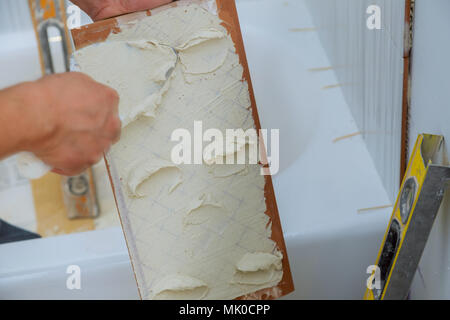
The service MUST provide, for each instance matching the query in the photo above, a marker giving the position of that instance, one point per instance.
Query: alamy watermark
(374, 20)
(374, 280)
(73, 281)
(231, 146)
(73, 16)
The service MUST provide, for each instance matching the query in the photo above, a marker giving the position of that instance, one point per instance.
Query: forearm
(22, 118)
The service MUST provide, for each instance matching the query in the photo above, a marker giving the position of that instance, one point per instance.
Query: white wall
(369, 65)
(14, 16)
(430, 113)
(19, 57)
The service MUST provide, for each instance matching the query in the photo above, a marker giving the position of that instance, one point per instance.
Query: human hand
(78, 121)
(102, 9)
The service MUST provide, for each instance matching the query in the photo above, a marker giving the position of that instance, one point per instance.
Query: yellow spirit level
(415, 210)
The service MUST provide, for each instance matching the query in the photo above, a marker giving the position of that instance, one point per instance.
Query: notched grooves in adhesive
(259, 268)
(143, 170)
(180, 287)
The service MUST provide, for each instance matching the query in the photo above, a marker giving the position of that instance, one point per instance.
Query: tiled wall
(369, 65)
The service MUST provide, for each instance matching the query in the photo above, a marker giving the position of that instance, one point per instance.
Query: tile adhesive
(200, 230)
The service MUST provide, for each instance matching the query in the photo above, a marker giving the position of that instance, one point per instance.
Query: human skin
(67, 120)
(101, 9)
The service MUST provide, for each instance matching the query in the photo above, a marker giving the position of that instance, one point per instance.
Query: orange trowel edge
(226, 9)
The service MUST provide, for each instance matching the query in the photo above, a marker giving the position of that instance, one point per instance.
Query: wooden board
(409, 23)
(226, 9)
